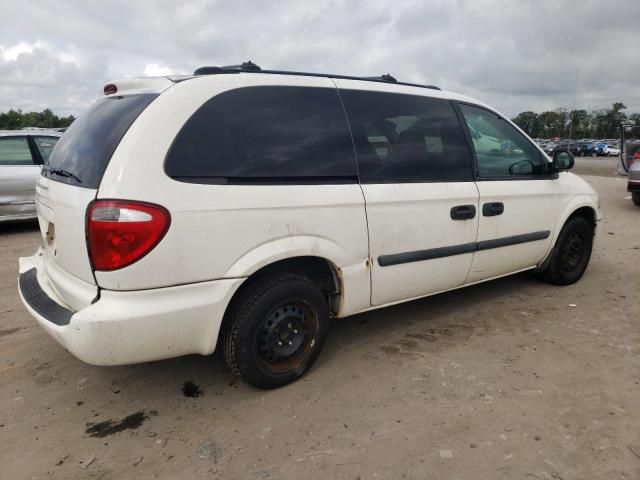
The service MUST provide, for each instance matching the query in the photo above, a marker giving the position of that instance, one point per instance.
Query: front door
(421, 201)
(518, 196)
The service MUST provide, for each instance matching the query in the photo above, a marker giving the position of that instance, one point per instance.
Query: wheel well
(320, 271)
(587, 213)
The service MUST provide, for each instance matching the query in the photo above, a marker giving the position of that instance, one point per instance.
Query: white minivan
(246, 208)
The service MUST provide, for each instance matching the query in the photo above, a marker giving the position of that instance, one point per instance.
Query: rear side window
(265, 134)
(15, 151)
(45, 146)
(406, 138)
(83, 152)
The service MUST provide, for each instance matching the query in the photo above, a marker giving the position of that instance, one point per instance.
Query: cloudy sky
(514, 54)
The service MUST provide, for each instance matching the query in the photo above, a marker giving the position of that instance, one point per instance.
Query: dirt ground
(511, 379)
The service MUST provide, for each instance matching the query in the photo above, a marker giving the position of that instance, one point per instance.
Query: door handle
(492, 209)
(463, 212)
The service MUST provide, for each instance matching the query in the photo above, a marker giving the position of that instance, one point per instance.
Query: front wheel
(275, 330)
(635, 198)
(571, 253)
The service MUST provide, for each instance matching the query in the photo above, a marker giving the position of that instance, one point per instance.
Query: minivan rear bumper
(124, 327)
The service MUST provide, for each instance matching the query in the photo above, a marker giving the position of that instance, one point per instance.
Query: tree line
(576, 124)
(16, 120)
(561, 123)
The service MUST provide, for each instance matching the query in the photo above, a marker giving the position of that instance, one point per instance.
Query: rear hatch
(69, 183)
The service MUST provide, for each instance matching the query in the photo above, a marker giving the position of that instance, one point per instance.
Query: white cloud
(10, 54)
(155, 70)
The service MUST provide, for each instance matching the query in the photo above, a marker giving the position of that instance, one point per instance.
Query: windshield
(83, 152)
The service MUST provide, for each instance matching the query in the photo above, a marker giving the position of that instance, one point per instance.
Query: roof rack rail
(382, 78)
(243, 67)
(250, 67)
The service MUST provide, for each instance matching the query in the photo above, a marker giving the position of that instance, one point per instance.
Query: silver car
(22, 154)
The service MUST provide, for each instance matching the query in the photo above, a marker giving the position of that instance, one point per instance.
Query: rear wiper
(63, 173)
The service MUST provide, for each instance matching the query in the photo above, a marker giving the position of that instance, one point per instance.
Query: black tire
(635, 198)
(571, 253)
(275, 330)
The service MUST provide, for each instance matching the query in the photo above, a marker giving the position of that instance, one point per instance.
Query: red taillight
(636, 157)
(110, 89)
(120, 232)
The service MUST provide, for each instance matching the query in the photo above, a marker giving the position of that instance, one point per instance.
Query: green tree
(528, 121)
(16, 119)
(579, 123)
(634, 118)
(553, 123)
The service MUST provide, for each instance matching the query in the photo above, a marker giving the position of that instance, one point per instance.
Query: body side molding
(440, 252)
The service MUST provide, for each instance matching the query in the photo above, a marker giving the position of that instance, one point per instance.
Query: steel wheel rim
(573, 252)
(286, 337)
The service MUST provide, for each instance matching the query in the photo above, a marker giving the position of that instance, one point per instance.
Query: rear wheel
(276, 330)
(571, 253)
(635, 198)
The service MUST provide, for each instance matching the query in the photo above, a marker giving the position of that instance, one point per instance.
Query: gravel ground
(601, 166)
(511, 379)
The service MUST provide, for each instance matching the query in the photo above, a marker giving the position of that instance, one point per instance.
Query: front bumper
(123, 327)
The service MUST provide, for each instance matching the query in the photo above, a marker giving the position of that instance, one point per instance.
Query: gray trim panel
(441, 252)
(513, 240)
(430, 254)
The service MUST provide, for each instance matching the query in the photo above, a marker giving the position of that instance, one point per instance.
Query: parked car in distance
(587, 149)
(572, 147)
(600, 148)
(611, 151)
(22, 153)
(228, 208)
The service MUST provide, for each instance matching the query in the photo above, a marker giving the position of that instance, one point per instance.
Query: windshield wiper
(63, 173)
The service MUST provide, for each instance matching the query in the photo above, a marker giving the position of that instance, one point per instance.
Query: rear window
(265, 134)
(83, 152)
(15, 151)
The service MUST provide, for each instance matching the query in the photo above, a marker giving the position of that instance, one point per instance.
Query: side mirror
(562, 160)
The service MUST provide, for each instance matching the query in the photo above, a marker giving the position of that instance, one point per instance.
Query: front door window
(501, 150)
